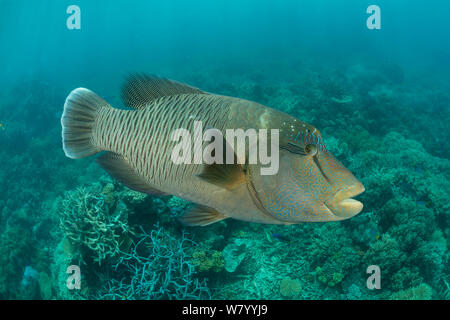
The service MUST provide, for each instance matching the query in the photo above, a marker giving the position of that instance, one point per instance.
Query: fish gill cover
(379, 96)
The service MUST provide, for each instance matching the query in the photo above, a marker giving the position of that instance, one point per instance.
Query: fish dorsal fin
(140, 89)
(200, 215)
(119, 168)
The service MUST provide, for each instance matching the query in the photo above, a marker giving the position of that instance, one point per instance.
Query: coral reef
(421, 292)
(290, 288)
(208, 260)
(233, 254)
(157, 267)
(93, 223)
(379, 120)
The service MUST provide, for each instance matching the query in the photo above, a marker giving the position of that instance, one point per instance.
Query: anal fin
(200, 215)
(119, 168)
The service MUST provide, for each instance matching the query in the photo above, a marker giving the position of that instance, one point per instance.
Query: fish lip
(348, 193)
(342, 203)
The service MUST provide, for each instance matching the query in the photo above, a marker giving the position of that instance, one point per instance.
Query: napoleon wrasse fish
(310, 186)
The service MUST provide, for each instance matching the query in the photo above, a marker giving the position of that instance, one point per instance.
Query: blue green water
(380, 97)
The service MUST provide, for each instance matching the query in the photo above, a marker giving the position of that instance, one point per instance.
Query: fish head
(310, 185)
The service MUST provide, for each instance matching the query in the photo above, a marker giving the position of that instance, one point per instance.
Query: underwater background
(381, 99)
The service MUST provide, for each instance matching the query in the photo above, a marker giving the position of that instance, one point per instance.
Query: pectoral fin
(201, 216)
(228, 176)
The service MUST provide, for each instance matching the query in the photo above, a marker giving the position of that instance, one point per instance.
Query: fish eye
(311, 150)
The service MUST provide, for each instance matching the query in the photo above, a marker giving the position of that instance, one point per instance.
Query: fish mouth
(342, 204)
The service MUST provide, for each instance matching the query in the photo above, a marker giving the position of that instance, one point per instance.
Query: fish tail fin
(78, 120)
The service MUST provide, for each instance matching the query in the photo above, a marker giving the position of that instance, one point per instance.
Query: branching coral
(158, 266)
(91, 224)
